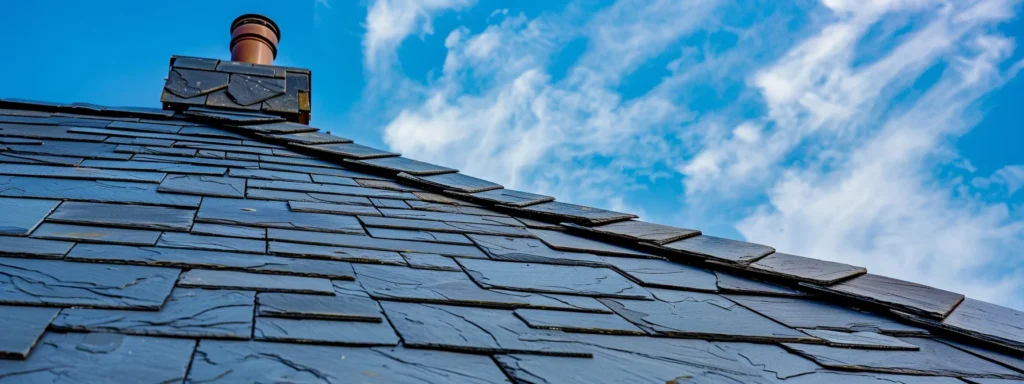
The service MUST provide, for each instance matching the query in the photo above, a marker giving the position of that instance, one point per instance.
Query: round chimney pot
(254, 39)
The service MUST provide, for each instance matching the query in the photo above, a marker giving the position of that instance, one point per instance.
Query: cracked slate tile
(91, 190)
(507, 197)
(450, 217)
(808, 313)
(567, 242)
(742, 285)
(442, 226)
(34, 248)
(869, 378)
(403, 164)
(187, 258)
(61, 283)
(265, 174)
(187, 313)
(806, 269)
(254, 361)
(862, 340)
(572, 280)
(431, 261)
(531, 251)
(98, 357)
(213, 279)
(221, 186)
(639, 231)
(213, 243)
(335, 253)
(341, 209)
(665, 274)
(933, 358)
(291, 186)
(366, 242)
(576, 213)
(577, 322)
(139, 141)
(479, 330)
(92, 234)
(402, 234)
(155, 166)
(123, 148)
(249, 90)
(531, 223)
(124, 215)
(273, 214)
(350, 303)
(221, 100)
(22, 328)
(389, 203)
(774, 362)
(324, 331)
(453, 181)
(383, 184)
(701, 315)
(21, 216)
(229, 231)
(58, 172)
(266, 194)
(188, 83)
(721, 249)
(901, 295)
(980, 320)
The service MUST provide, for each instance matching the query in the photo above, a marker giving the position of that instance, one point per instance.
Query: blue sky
(885, 134)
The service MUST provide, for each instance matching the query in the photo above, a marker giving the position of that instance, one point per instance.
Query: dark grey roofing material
(174, 230)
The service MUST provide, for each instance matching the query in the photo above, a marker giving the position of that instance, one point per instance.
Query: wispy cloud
(388, 22)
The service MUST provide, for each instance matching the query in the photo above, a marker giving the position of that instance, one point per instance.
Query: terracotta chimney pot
(254, 39)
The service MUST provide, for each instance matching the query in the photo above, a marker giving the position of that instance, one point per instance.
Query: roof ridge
(931, 307)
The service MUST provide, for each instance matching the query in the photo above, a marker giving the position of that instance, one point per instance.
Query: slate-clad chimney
(246, 84)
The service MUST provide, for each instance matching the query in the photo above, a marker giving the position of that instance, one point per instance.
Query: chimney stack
(254, 39)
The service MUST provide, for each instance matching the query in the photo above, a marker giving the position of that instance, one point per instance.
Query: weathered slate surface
(731, 283)
(981, 320)
(273, 214)
(578, 322)
(572, 280)
(35, 248)
(202, 278)
(213, 243)
(507, 197)
(335, 253)
(453, 181)
(665, 274)
(59, 283)
(639, 231)
(577, 213)
(902, 295)
(863, 340)
(367, 242)
(21, 216)
(229, 231)
(22, 328)
(222, 186)
(721, 249)
(443, 226)
(568, 242)
(95, 234)
(92, 190)
(347, 304)
(532, 251)
(124, 215)
(806, 269)
(814, 314)
(324, 331)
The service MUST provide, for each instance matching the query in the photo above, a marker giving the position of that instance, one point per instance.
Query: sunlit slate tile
(139, 141)
(101, 357)
(194, 63)
(701, 315)
(442, 226)
(72, 148)
(349, 150)
(90, 190)
(233, 117)
(385, 184)
(507, 197)
(324, 331)
(155, 166)
(221, 100)
(187, 313)
(21, 158)
(902, 295)
(1013, 360)
(265, 174)
(933, 358)
(639, 231)
(806, 269)
(22, 328)
(44, 132)
(577, 213)
(124, 148)
(441, 199)
(531, 223)
(403, 234)
(228, 148)
(568, 242)
(430, 286)
(531, 251)
(269, 194)
(188, 83)
(450, 217)
(80, 173)
(311, 138)
(980, 320)
(807, 313)
(578, 322)
(389, 203)
(571, 280)
(861, 340)
(221, 186)
(737, 284)
(204, 278)
(190, 258)
(197, 161)
(454, 181)
(721, 249)
(272, 214)
(207, 131)
(343, 177)
(124, 215)
(61, 283)
(340, 209)
(463, 209)
(250, 362)
(170, 127)
(246, 68)
(95, 234)
(150, 135)
(431, 261)
(34, 248)
(349, 303)
(301, 161)
(212, 243)
(665, 274)
(366, 242)
(327, 188)
(21, 216)
(770, 360)
(335, 253)
(229, 230)
(403, 164)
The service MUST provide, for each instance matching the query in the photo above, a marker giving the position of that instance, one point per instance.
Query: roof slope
(152, 246)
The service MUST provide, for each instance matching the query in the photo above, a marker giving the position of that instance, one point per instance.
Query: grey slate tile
(402, 234)
(366, 242)
(454, 182)
(93, 234)
(431, 261)
(721, 249)
(291, 160)
(473, 329)
(170, 127)
(862, 340)
(389, 203)
(204, 278)
(775, 362)
(741, 285)
(507, 197)
(869, 378)
(273, 214)
(98, 357)
(449, 217)
(80, 173)
(73, 149)
(531, 223)
(139, 141)
(441, 199)
(247, 362)
(665, 274)
(345, 305)
(148, 135)
(124, 148)
(572, 280)
(229, 231)
(187, 313)
(933, 358)
(196, 160)
(807, 313)
(21, 216)
(34, 248)
(980, 320)
(335, 253)
(221, 186)
(194, 63)
(568, 242)
(90, 190)
(443, 226)
(213, 243)
(155, 166)
(311, 138)
(267, 194)
(43, 132)
(190, 83)
(266, 174)
(902, 295)
(338, 209)
(229, 148)
(327, 188)
(1007, 359)
(531, 251)
(279, 127)
(22, 328)
(402, 164)
(806, 269)
(19, 158)
(187, 258)
(464, 209)
(124, 215)
(701, 315)
(576, 213)
(379, 184)
(639, 231)
(344, 177)
(577, 322)
(349, 150)
(60, 283)
(248, 89)
(208, 131)
(324, 331)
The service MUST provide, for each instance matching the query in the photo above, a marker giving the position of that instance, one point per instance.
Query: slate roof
(202, 245)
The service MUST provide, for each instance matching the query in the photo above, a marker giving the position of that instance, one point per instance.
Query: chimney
(254, 39)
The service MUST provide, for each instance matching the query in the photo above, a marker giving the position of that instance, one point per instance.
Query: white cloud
(1011, 177)
(388, 22)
